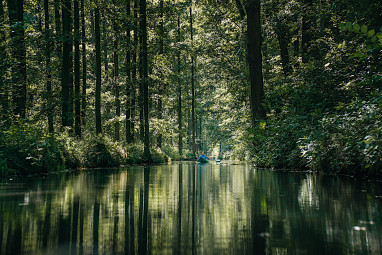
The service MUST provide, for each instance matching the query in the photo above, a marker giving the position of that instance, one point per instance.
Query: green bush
(27, 151)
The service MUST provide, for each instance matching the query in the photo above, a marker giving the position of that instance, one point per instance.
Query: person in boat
(202, 157)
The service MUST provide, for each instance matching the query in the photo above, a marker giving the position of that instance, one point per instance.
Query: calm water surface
(188, 208)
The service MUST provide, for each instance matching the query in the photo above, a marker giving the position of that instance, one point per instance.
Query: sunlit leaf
(356, 27)
(364, 29)
(371, 33)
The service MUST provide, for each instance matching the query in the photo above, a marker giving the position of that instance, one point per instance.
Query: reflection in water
(190, 208)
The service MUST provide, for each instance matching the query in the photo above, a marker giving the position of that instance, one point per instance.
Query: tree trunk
(141, 90)
(48, 47)
(57, 20)
(105, 39)
(180, 143)
(255, 60)
(282, 37)
(134, 71)
(84, 76)
(128, 76)
(160, 101)
(98, 71)
(67, 66)
(117, 101)
(192, 88)
(19, 69)
(77, 96)
(143, 27)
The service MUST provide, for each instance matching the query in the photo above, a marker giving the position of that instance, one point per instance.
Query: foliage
(326, 117)
(27, 151)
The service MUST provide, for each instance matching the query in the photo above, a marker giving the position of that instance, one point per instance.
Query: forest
(103, 83)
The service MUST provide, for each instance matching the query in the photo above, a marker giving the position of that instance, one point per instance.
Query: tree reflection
(189, 209)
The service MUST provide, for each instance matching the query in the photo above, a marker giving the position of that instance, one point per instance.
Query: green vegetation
(103, 83)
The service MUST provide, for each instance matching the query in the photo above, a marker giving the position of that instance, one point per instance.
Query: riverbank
(27, 150)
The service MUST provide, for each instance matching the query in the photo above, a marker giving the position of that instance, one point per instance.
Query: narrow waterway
(190, 208)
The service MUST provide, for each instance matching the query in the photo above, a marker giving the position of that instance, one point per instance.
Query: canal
(190, 208)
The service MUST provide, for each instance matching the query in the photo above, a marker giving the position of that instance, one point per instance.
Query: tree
(192, 88)
(255, 60)
(19, 68)
(98, 71)
(143, 27)
(67, 65)
(129, 86)
(84, 75)
(134, 70)
(48, 47)
(180, 140)
(77, 96)
(161, 46)
(282, 36)
(117, 101)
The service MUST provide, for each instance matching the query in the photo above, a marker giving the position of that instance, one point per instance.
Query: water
(188, 208)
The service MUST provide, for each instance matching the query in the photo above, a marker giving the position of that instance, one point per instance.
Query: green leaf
(374, 39)
(348, 26)
(356, 27)
(364, 29)
(371, 33)
(342, 27)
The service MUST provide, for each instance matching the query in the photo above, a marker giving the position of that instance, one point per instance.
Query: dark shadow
(115, 227)
(143, 245)
(13, 246)
(95, 226)
(76, 208)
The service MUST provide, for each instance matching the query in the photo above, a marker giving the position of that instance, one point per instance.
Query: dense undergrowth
(26, 149)
(327, 115)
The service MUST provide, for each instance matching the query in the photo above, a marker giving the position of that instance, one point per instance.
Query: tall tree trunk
(98, 71)
(58, 35)
(117, 101)
(192, 87)
(48, 73)
(57, 19)
(134, 71)
(84, 76)
(255, 60)
(39, 16)
(77, 96)
(3, 67)
(67, 66)
(282, 37)
(143, 27)
(161, 45)
(141, 91)
(129, 86)
(105, 40)
(19, 69)
(180, 141)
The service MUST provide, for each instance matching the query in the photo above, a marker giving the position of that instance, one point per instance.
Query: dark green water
(190, 209)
